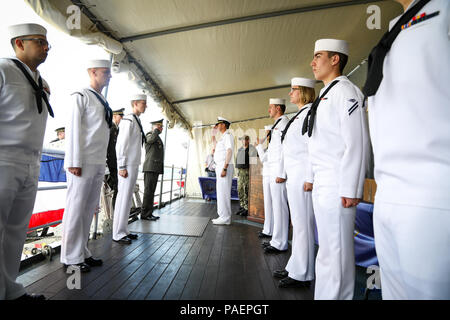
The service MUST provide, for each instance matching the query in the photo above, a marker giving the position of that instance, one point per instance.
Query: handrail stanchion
(161, 190)
(171, 185)
(96, 225)
(181, 182)
(185, 183)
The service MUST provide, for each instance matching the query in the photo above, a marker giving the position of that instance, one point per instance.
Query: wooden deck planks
(226, 263)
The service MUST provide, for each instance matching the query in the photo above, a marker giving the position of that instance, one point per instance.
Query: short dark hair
(343, 58)
(13, 43)
(227, 125)
(282, 107)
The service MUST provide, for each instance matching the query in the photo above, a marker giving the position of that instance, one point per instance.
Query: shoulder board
(77, 93)
(127, 119)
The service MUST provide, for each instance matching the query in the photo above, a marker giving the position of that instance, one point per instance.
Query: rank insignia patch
(353, 107)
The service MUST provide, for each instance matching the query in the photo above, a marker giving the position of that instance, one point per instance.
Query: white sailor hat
(303, 82)
(26, 29)
(335, 45)
(139, 96)
(267, 128)
(222, 120)
(98, 64)
(277, 101)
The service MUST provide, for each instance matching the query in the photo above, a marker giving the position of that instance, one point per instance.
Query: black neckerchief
(38, 89)
(284, 132)
(108, 111)
(308, 124)
(144, 139)
(378, 53)
(269, 135)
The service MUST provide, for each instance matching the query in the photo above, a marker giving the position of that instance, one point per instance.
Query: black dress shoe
(124, 240)
(244, 213)
(263, 235)
(91, 262)
(151, 218)
(132, 236)
(154, 217)
(270, 249)
(265, 244)
(281, 274)
(31, 297)
(83, 267)
(292, 283)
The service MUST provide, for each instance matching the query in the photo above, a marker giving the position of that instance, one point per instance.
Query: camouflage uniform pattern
(243, 183)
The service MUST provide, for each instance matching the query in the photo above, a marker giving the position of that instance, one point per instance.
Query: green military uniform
(153, 167)
(111, 158)
(243, 182)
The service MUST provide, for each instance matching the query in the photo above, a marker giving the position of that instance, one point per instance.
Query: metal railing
(161, 180)
(181, 180)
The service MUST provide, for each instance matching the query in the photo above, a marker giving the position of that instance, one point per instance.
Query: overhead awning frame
(246, 18)
(155, 91)
(202, 58)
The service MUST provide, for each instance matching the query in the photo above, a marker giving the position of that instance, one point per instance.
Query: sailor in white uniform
(338, 149)
(299, 270)
(409, 119)
(87, 136)
(224, 172)
(128, 150)
(279, 241)
(268, 212)
(23, 119)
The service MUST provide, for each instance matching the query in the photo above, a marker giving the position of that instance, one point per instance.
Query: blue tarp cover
(52, 169)
(208, 186)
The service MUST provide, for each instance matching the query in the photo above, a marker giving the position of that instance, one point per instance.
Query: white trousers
(82, 201)
(268, 213)
(223, 192)
(335, 262)
(18, 187)
(280, 215)
(123, 203)
(301, 263)
(413, 250)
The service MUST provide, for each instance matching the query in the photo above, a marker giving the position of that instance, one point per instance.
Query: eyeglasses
(42, 42)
